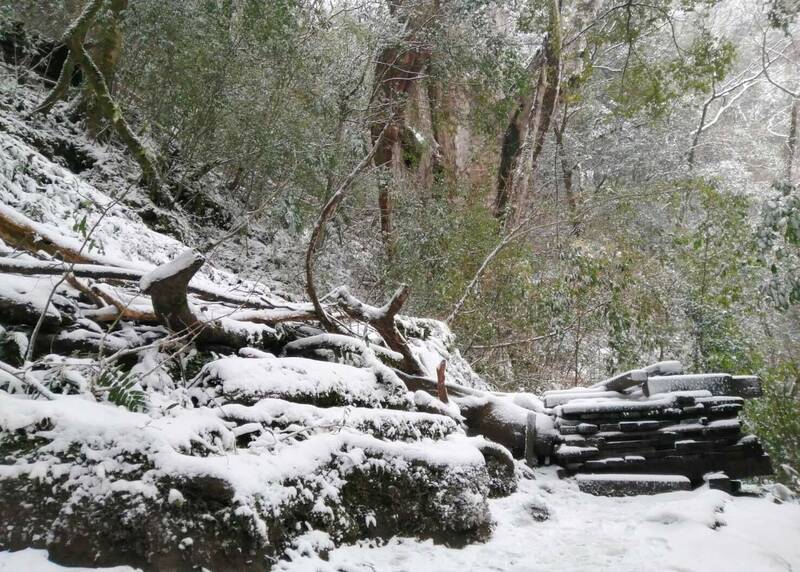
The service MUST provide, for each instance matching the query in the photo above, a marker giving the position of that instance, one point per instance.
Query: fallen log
(716, 383)
(105, 272)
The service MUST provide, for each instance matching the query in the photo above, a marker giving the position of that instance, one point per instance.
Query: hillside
(564, 338)
(233, 459)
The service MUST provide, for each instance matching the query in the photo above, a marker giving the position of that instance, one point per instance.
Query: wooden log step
(609, 463)
(661, 414)
(719, 400)
(627, 485)
(554, 399)
(632, 445)
(736, 466)
(579, 429)
(746, 386)
(653, 449)
(571, 453)
(717, 429)
(724, 411)
(617, 462)
(638, 426)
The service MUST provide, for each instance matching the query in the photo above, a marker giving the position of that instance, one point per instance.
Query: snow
(256, 378)
(32, 291)
(678, 531)
(183, 261)
(167, 441)
(600, 405)
(62, 207)
(388, 423)
(32, 560)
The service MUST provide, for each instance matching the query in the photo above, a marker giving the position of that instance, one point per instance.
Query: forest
(559, 190)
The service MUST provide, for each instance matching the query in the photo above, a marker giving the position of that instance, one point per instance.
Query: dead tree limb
(86, 290)
(327, 213)
(383, 320)
(126, 311)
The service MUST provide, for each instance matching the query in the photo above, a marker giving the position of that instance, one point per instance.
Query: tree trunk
(397, 69)
(791, 144)
(524, 136)
(105, 53)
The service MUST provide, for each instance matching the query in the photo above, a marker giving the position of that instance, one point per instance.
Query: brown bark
(398, 68)
(528, 126)
(441, 388)
(383, 320)
(171, 305)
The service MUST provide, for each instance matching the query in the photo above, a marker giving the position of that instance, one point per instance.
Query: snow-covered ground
(701, 530)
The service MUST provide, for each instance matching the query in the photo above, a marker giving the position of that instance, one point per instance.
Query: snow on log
(746, 386)
(147, 477)
(23, 300)
(393, 424)
(553, 399)
(33, 267)
(248, 380)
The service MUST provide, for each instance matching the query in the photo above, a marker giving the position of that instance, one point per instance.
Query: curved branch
(327, 212)
(383, 320)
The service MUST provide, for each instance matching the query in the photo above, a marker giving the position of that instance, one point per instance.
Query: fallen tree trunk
(495, 417)
(105, 272)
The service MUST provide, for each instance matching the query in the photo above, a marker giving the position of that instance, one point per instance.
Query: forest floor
(549, 525)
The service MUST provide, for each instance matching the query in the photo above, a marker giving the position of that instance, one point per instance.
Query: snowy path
(585, 533)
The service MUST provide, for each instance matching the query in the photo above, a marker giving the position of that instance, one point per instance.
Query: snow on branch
(383, 320)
